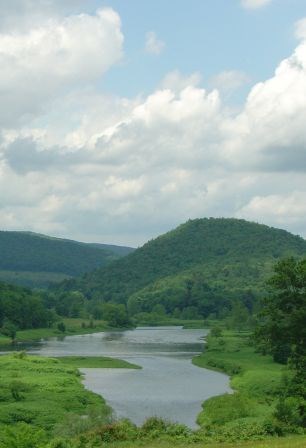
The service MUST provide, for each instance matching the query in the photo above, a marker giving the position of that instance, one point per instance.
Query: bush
(22, 436)
(122, 430)
(216, 332)
(220, 410)
(288, 411)
(154, 424)
(61, 327)
(16, 388)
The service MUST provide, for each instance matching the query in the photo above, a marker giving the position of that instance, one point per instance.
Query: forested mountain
(200, 268)
(36, 260)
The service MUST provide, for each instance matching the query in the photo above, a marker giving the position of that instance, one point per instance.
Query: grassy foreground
(286, 442)
(41, 391)
(43, 404)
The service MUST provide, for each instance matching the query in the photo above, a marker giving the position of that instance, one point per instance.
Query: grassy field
(41, 391)
(43, 398)
(73, 327)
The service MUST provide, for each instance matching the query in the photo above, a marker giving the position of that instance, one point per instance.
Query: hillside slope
(199, 264)
(35, 260)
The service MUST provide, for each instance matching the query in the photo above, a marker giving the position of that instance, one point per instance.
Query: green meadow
(44, 404)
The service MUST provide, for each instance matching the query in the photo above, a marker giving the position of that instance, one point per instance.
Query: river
(167, 386)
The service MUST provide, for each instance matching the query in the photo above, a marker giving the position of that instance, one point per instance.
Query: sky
(121, 119)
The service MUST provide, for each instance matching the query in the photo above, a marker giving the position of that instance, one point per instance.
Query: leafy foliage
(282, 332)
(196, 270)
(21, 308)
(28, 253)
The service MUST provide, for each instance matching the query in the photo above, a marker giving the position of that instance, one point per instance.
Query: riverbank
(256, 381)
(46, 397)
(77, 326)
(73, 326)
(43, 399)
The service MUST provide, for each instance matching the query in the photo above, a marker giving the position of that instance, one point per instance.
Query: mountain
(201, 267)
(36, 260)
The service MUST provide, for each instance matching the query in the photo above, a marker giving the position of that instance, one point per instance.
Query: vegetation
(257, 381)
(200, 269)
(43, 392)
(73, 326)
(21, 308)
(282, 332)
(96, 362)
(27, 315)
(35, 260)
(206, 270)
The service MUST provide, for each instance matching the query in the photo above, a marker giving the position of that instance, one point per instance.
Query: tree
(9, 329)
(61, 327)
(239, 316)
(115, 315)
(281, 330)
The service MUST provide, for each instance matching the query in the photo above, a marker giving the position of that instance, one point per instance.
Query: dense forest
(205, 267)
(36, 260)
(20, 308)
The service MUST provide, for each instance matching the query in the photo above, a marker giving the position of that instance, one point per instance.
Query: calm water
(168, 385)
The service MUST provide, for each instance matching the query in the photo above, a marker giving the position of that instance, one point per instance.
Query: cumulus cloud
(270, 132)
(300, 29)
(254, 4)
(285, 211)
(153, 44)
(230, 80)
(106, 168)
(176, 81)
(38, 63)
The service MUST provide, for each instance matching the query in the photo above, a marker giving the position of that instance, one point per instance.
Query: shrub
(288, 411)
(16, 388)
(61, 327)
(225, 408)
(153, 424)
(22, 435)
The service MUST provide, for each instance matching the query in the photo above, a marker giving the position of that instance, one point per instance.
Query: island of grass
(96, 362)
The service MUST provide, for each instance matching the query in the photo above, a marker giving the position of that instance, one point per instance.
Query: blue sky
(201, 36)
(121, 119)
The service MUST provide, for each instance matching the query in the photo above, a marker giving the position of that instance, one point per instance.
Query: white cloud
(300, 29)
(37, 64)
(176, 81)
(153, 44)
(254, 4)
(287, 210)
(105, 168)
(230, 80)
(270, 132)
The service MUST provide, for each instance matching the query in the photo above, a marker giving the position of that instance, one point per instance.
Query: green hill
(201, 267)
(35, 260)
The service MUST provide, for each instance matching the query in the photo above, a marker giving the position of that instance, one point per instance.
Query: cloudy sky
(120, 120)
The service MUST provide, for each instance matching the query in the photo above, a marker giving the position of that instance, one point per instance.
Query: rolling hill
(201, 267)
(36, 260)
